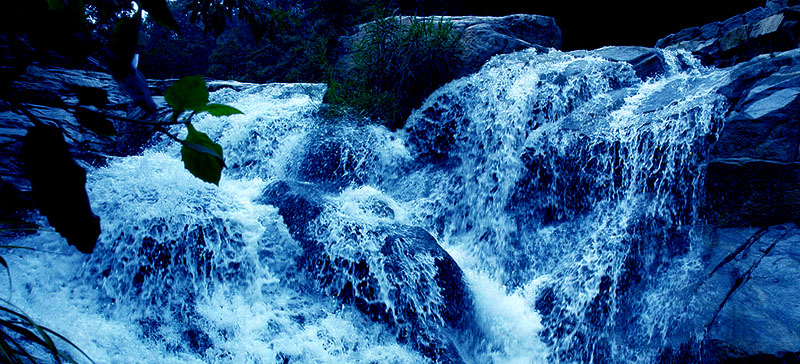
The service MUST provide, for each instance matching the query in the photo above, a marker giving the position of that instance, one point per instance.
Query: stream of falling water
(565, 187)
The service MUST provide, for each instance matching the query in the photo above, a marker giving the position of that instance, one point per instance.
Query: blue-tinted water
(566, 189)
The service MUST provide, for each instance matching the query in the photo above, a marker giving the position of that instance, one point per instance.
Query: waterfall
(568, 176)
(568, 191)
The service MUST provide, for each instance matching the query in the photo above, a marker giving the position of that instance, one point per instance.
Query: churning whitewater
(563, 189)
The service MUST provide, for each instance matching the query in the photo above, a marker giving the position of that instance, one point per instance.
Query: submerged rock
(393, 273)
(335, 158)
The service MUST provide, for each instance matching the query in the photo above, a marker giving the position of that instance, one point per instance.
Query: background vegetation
(397, 64)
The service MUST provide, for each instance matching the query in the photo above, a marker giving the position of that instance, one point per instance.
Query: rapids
(567, 190)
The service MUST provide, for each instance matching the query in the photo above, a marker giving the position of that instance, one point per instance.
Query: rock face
(754, 176)
(482, 37)
(773, 28)
(49, 95)
(747, 299)
(393, 273)
(750, 293)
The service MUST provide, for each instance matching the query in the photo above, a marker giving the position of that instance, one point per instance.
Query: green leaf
(189, 93)
(201, 156)
(95, 121)
(55, 5)
(221, 110)
(159, 10)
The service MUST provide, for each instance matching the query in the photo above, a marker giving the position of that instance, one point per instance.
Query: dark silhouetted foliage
(59, 186)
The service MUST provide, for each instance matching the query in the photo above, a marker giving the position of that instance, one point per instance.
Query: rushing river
(566, 189)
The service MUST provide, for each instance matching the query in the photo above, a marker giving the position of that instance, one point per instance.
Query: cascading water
(566, 189)
(568, 176)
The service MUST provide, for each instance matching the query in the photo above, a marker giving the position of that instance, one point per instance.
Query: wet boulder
(330, 160)
(394, 273)
(334, 157)
(646, 62)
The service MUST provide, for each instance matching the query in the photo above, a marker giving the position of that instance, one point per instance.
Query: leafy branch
(58, 183)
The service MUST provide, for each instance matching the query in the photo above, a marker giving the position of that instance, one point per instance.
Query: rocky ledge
(747, 297)
(51, 95)
(767, 29)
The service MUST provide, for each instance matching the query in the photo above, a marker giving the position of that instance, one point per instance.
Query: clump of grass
(396, 65)
(19, 333)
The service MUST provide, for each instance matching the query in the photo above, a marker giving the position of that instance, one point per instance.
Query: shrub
(396, 65)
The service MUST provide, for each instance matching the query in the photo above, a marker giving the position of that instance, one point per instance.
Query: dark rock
(481, 36)
(329, 160)
(746, 191)
(335, 156)
(754, 173)
(434, 130)
(646, 62)
(49, 94)
(742, 37)
(393, 273)
(197, 340)
(299, 204)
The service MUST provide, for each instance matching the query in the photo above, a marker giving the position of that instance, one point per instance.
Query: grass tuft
(396, 65)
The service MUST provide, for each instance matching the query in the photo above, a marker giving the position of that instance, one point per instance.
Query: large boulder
(773, 28)
(745, 299)
(481, 37)
(393, 273)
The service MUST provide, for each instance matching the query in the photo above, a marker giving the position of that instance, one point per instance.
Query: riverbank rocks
(158, 87)
(50, 95)
(746, 298)
(753, 178)
(394, 273)
(773, 28)
(481, 36)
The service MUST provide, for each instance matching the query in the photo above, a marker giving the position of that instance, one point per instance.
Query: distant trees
(265, 41)
(165, 54)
